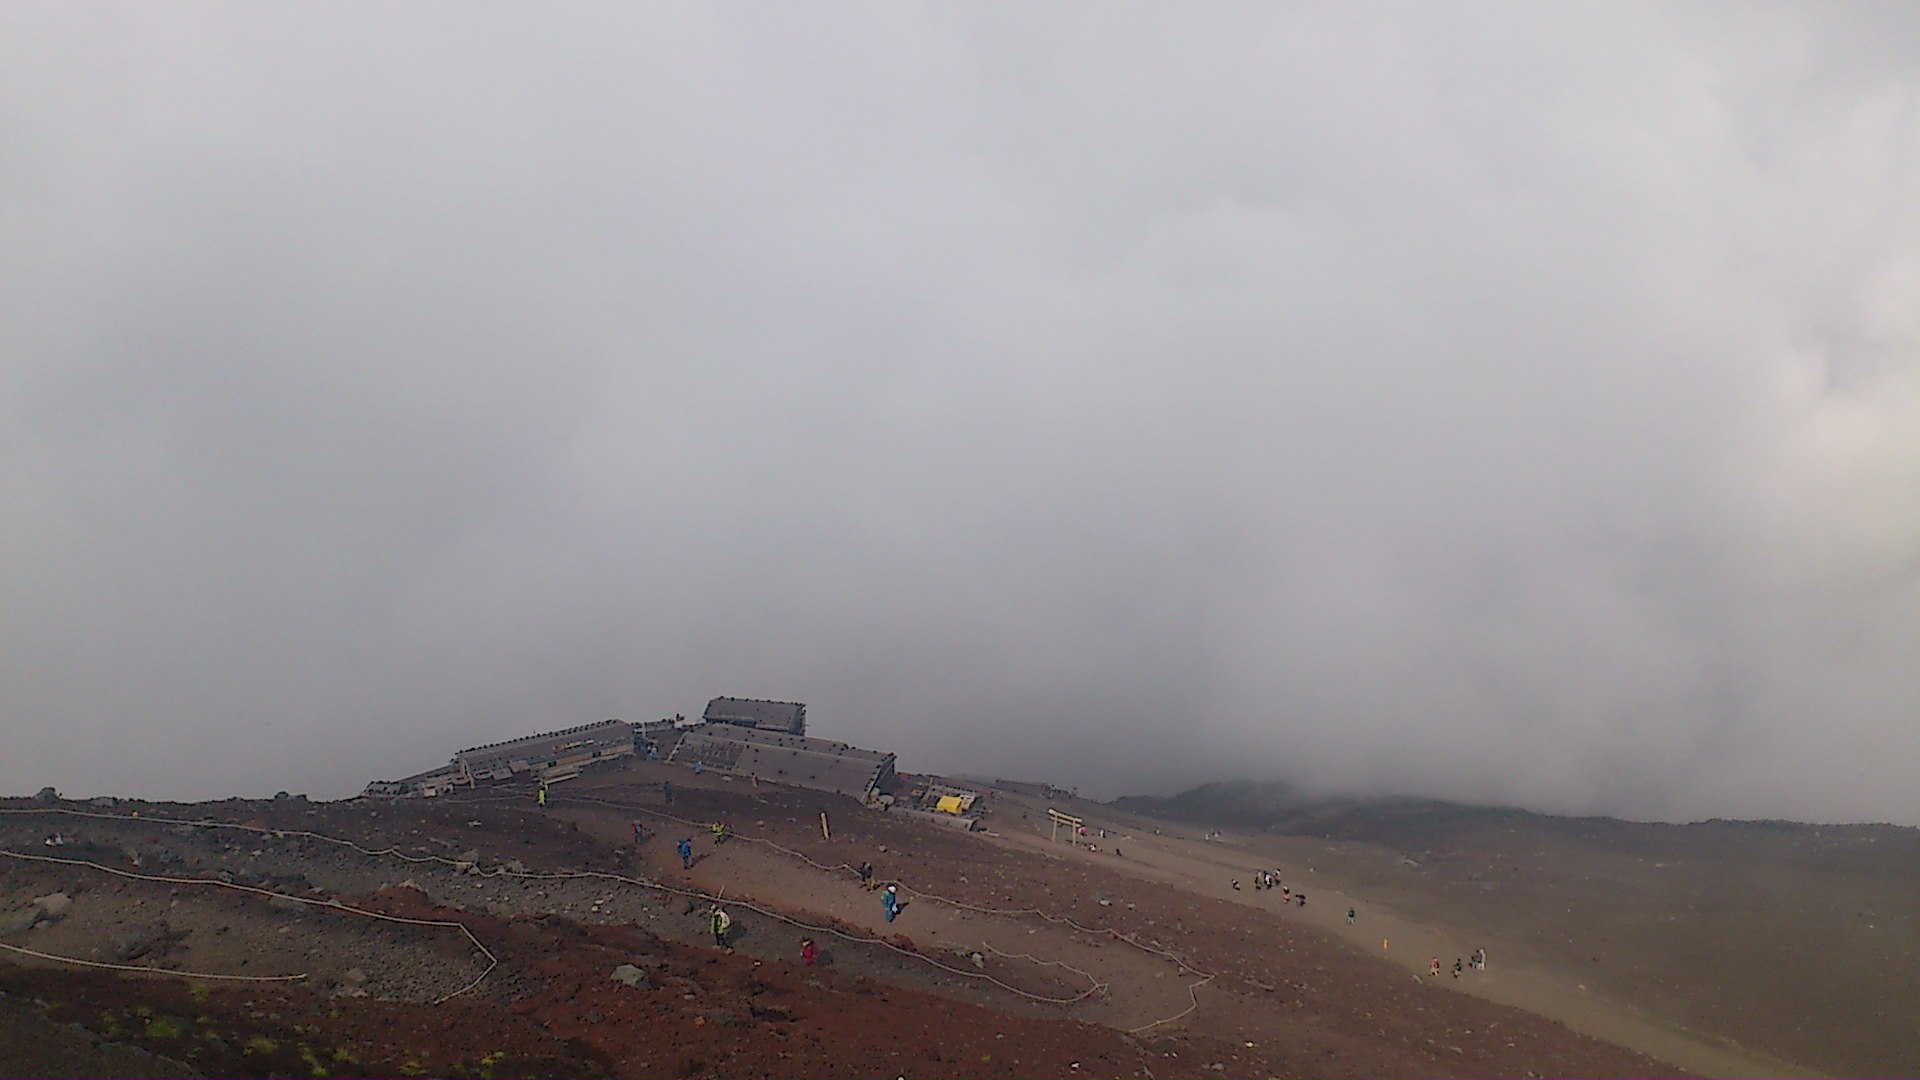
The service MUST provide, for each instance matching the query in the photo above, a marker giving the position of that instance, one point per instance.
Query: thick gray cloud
(1507, 403)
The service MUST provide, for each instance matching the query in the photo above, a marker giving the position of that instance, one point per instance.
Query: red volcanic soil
(697, 1013)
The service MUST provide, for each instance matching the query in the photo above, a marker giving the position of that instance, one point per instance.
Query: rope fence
(334, 905)
(1095, 985)
(149, 970)
(1059, 920)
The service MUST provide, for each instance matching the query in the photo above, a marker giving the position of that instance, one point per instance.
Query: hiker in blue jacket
(685, 848)
(890, 901)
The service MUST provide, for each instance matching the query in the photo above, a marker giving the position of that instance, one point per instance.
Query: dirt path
(1139, 987)
(1154, 932)
(1280, 1003)
(1183, 858)
(1143, 988)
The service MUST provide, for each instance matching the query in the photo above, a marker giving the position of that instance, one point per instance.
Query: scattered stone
(20, 921)
(354, 977)
(138, 942)
(633, 976)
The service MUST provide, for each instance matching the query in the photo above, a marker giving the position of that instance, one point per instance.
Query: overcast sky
(1508, 403)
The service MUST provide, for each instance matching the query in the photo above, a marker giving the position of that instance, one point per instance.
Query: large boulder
(632, 976)
(54, 904)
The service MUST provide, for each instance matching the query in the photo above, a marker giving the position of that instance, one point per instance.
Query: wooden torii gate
(1072, 823)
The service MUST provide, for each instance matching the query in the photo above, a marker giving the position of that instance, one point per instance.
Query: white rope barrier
(1183, 965)
(150, 970)
(1095, 985)
(334, 905)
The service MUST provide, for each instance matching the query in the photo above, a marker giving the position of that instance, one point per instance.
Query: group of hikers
(721, 923)
(720, 830)
(1475, 962)
(890, 904)
(718, 921)
(1270, 879)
